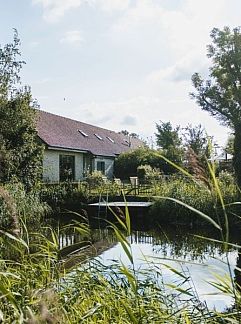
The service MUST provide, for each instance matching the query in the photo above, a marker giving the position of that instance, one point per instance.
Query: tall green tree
(195, 137)
(220, 95)
(20, 151)
(167, 136)
(169, 141)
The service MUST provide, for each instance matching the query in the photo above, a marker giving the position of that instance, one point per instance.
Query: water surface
(179, 248)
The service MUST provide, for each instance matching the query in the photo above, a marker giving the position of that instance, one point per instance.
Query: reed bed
(36, 286)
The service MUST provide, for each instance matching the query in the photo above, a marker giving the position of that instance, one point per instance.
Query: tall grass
(36, 286)
(16, 204)
(220, 220)
(209, 200)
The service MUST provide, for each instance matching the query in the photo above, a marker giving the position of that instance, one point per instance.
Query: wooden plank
(129, 204)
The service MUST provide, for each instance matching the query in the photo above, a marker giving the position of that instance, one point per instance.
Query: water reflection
(198, 259)
(161, 249)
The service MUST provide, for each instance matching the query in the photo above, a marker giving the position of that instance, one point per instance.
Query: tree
(220, 95)
(170, 142)
(127, 133)
(196, 138)
(10, 66)
(124, 132)
(167, 135)
(20, 151)
(127, 163)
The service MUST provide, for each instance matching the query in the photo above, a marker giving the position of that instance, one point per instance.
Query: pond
(170, 250)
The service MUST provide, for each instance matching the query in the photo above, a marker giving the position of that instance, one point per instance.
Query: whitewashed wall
(109, 165)
(51, 165)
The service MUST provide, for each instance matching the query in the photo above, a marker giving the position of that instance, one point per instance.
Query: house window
(101, 166)
(82, 133)
(66, 167)
(99, 137)
(110, 139)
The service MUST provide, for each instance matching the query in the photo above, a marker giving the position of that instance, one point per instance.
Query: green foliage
(10, 66)
(220, 95)
(17, 205)
(226, 178)
(127, 163)
(148, 174)
(142, 170)
(197, 195)
(167, 136)
(190, 193)
(65, 195)
(196, 138)
(36, 289)
(170, 142)
(228, 187)
(126, 133)
(95, 179)
(21, 153)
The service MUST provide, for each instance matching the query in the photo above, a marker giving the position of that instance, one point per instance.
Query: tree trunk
(237, 154)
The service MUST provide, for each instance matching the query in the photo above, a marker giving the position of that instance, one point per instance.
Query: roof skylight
(99, 137)
(126, 142)
(82, 133)
(110, 139)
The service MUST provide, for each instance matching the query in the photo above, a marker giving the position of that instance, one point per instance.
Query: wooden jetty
(122, 204)
(107, 209)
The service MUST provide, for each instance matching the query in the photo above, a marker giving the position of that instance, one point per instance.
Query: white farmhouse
(73, 148)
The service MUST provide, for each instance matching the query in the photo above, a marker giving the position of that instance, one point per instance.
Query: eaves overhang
(69, 149)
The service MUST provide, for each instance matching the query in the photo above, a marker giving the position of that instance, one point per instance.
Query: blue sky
(118, 64)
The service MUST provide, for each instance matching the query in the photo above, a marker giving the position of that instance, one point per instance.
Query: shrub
(197, 195)
(226, 178)
(148, 174)
(16, 203)
(95, 179)
(127, 163)
(190, 193)
(64, 195)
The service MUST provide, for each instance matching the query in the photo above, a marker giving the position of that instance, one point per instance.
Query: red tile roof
(64, 133)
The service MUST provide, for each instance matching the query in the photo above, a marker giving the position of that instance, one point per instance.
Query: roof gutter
(56, 148)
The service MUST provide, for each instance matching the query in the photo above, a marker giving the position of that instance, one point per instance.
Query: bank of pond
(73, 272)
(177, 261)
(173, 200)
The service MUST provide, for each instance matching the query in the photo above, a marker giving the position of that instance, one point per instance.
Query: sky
(118, 64)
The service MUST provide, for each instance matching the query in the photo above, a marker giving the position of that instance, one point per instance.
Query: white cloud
(72, 37)
(146, 111)
(181, 70)
(128, 120)
(143, 13)
(173, 32)
(54, 10)
(113, 5)
(158, 49)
